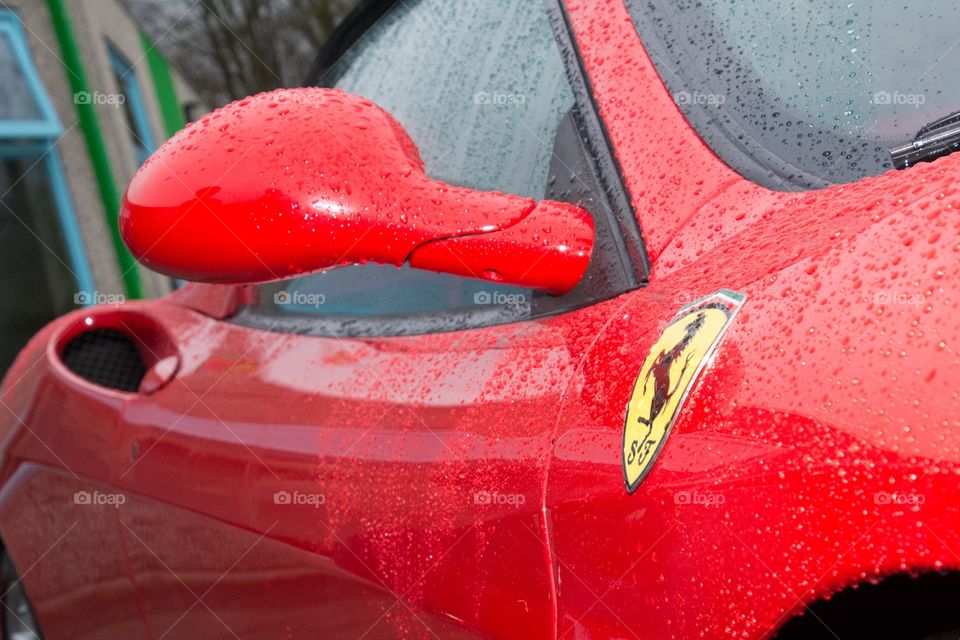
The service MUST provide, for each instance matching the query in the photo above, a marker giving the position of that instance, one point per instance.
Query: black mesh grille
(105, 357)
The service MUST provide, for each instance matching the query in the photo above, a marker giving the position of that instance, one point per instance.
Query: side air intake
(105, 357)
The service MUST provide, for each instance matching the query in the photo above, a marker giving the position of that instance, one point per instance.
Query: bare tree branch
(228, 49)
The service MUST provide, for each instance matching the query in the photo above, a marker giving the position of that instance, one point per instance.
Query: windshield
(802, 94)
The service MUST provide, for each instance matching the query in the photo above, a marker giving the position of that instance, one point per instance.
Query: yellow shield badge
(666, 377)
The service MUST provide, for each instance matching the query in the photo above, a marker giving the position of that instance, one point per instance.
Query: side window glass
(481, 87)
(801, 95)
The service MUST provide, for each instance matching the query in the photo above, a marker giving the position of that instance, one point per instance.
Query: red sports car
(568, 320)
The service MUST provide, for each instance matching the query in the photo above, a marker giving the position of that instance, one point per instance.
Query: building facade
(85, 97)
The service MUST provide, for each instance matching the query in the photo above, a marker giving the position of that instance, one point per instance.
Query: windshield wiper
(939, 138)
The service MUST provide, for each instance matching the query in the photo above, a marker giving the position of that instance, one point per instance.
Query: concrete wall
(81, 180)
(97, 23)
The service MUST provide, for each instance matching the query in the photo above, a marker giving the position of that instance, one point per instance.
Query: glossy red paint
(827, 420)
(298, 180)
(470, 482)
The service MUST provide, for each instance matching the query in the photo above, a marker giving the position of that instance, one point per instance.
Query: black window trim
(608, 171)
(630, 250)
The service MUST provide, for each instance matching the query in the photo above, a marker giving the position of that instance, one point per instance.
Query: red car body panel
(832, 398)
(470, 483)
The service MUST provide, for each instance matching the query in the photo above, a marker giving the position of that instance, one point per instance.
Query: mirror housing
(299, 180)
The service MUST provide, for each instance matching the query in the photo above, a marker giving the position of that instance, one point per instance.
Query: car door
(362, 452)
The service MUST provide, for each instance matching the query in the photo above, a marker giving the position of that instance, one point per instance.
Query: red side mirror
(299, 180)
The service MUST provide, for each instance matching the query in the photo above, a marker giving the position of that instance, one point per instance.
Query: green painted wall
(164, 88)
(90, 126)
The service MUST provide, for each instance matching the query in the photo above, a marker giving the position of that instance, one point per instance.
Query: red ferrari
(567, 320)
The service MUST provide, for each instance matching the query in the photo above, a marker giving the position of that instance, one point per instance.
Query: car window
(804, 94)
(481, 87)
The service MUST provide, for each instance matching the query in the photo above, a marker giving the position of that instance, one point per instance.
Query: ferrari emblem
(666, 377)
